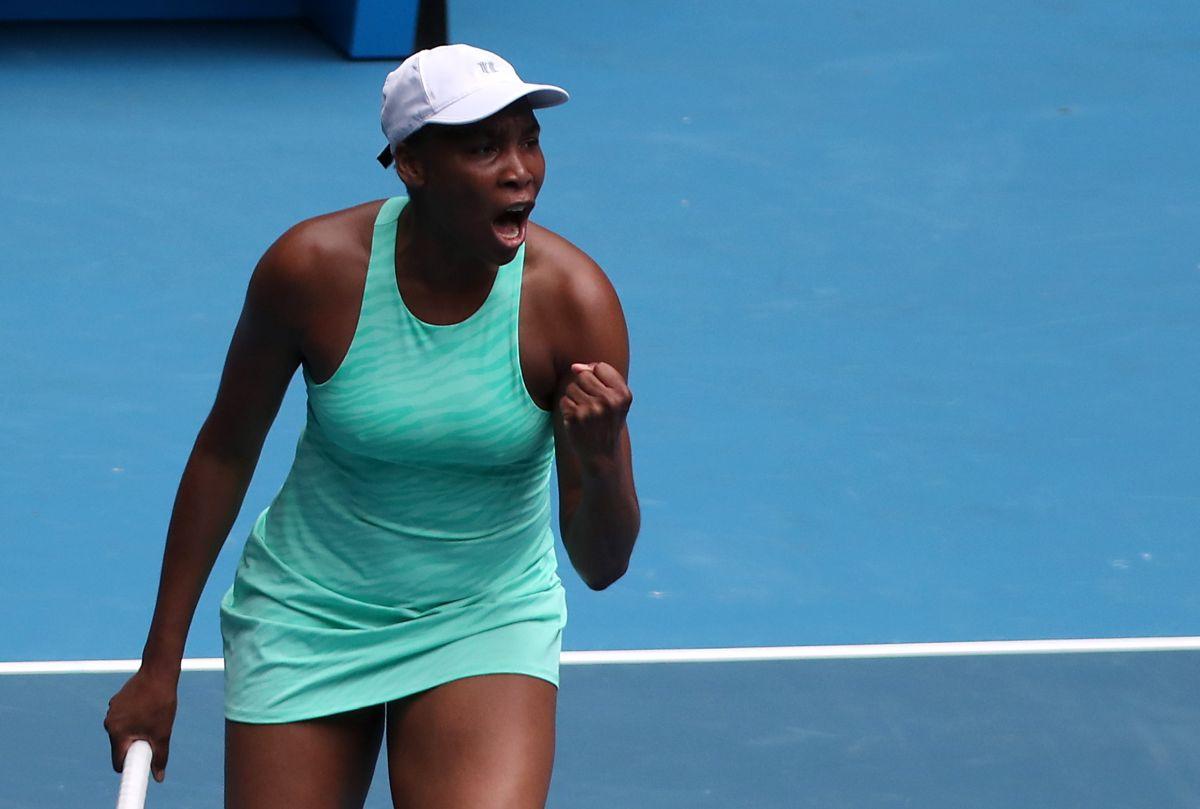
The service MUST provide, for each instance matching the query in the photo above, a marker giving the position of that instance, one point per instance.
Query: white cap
(453, 84)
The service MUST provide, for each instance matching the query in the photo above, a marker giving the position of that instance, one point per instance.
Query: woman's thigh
(324, 763)
(483, 742)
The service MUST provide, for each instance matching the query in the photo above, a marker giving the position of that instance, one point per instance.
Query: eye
(482, 149)
(533, 142)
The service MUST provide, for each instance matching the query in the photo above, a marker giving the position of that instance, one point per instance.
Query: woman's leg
(483, 742)
(324, 763)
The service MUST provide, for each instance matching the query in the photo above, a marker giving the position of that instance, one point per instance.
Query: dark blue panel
(367, 28)
(334, 19)
(384, 28)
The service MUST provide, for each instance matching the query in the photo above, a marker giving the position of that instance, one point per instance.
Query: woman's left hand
(593, 406)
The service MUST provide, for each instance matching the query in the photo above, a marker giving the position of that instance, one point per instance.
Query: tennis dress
(410, 543)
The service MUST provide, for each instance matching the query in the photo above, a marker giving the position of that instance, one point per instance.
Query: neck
(427, 250)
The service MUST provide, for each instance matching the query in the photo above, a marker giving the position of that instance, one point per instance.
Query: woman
(403, 580)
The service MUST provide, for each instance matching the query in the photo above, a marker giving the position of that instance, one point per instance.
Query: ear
(409, 165)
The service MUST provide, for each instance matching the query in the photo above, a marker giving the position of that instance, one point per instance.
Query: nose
(517, 172)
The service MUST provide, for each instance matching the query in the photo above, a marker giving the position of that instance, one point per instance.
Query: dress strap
(381, 271)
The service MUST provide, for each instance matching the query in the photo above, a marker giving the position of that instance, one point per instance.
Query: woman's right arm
(262, 359)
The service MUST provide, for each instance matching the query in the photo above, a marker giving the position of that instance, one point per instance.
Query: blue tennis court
(913, 294)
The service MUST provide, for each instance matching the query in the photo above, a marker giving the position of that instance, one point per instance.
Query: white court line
(737, 654)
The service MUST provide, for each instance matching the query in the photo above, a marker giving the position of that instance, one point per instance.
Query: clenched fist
(593, 407)
(144, 708)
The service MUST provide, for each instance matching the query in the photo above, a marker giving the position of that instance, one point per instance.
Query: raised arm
(598, 508)
(262, 358)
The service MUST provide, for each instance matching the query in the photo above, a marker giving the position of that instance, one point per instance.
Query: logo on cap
(487, 67)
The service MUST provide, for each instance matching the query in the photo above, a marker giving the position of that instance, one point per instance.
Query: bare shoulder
(318, 259)
(314, 244)
(576, 302)
(566, 276)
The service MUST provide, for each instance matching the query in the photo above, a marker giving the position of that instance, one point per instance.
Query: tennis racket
(135, 776)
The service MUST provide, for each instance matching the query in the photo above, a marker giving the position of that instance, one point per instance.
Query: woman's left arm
(599, 516)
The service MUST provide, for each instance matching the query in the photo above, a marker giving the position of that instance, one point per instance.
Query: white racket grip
(135, 776)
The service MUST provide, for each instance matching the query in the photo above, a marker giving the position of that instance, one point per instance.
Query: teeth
(515, 208)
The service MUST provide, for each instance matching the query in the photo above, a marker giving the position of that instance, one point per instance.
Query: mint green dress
(410, 544)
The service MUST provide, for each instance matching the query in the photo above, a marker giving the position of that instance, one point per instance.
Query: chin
(509, 254)
(501, 254)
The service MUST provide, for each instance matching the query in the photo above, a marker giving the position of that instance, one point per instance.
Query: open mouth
(510, 224)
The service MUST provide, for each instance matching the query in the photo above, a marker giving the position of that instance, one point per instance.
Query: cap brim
(488, 101)
(492, 98)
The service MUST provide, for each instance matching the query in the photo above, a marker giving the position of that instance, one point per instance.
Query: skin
(485, 741)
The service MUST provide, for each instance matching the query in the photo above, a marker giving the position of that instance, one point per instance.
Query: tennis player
(403, 582)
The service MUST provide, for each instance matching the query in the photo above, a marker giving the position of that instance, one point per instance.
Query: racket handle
(135, 776)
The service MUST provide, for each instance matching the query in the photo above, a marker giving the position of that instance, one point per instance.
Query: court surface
(914, 304)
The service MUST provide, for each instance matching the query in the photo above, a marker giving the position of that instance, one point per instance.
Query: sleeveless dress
(410, 543)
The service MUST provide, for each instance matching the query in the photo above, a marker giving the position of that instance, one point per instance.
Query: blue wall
(367, 29)
(149, 9)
